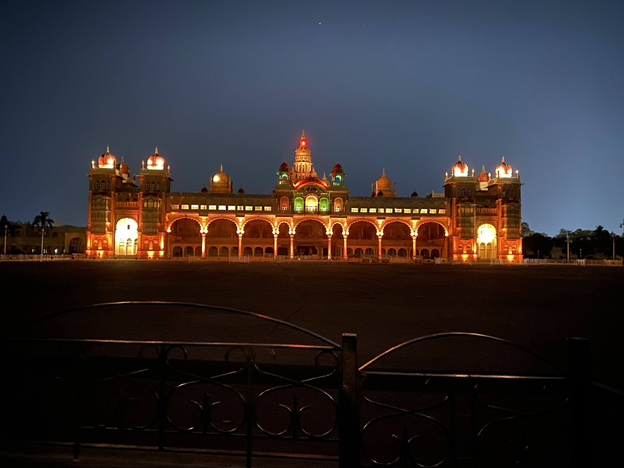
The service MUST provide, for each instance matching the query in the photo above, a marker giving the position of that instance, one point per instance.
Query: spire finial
(383, 171)
(156, 150)
(107, 149)
(459, 158)
(503, 160)
(483, 168)
(221, 167)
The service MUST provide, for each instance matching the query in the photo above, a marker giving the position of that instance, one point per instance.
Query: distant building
(477, 217)
(26, 239)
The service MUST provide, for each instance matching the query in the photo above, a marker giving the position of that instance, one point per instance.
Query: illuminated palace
(476, 218)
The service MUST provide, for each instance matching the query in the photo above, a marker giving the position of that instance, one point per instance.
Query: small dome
(107, 160)
(460, 168)
(284, 167)
(204, 189)
(221, 179)
(483, 176)
(414, 194)
(337, 169)
(123, 167)
(240, 191)
(384, 183)
(156, 161)
(503, 169)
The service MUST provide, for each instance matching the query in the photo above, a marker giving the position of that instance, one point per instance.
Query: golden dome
(107, 160)
(503, 169)
(156, 161)
(460, 168)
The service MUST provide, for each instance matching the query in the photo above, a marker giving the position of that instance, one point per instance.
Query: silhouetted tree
(43, 220)
(535, 243)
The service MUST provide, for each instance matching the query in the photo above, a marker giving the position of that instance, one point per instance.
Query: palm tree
(44, 221)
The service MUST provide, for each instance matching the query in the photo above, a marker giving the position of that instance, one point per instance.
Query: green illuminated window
(324, 205)
(298, 204)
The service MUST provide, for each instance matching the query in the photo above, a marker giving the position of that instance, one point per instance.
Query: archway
(310, 239)
(126, 237)
(431, 236)
(257, 235)
(337, 242)
(222, 236)
(283, 240)
(362, 236)
(397, 236)
(486, 242)
(185, 232)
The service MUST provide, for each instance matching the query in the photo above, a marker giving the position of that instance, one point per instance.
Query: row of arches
(260, 238)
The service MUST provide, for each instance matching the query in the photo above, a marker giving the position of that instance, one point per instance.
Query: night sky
(405, 86)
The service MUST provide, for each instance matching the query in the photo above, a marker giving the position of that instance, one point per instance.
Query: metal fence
(305, 397)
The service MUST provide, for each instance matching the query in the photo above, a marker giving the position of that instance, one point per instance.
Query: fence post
(580, 375)
(348, 414)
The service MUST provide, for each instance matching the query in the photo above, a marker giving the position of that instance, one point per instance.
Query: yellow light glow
(216, 178)
(486, 233)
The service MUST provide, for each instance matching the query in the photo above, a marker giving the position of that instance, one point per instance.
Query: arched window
(324, 205)
(338, 205)
(298, 204)
(284, 204)
(311, 204)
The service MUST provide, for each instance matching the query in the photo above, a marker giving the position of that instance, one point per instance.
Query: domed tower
(383, 186)
(220, 182)
(155, 178)
(338, 175)
(303, 160)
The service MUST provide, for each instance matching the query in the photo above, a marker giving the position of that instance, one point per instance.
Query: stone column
(292, 246)
(240, 246)
(329, 247)
(379, 236)
(274, 245)
(203, 244)
(344, 252)
(414, 247)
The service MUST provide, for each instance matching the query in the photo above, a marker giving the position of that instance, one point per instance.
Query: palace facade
(477, 217)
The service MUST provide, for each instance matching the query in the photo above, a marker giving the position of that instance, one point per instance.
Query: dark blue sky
(405, 86)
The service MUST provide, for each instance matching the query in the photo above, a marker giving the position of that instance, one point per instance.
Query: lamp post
(6, 228)
(568, 251)
(42, 233)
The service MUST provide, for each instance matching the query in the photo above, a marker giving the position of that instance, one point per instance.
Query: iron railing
(303, 396)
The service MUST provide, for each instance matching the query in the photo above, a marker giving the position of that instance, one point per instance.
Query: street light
(42, 233)
(568, 242)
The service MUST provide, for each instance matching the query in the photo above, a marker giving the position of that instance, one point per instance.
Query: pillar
(292, 246)
(329, 247)
(414, 247)
(344, 251)
(240, 246)
(379, 236)
(274, 245)
(203, 244)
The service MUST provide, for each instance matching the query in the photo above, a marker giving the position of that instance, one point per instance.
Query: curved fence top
(379, 358)
(146, 304)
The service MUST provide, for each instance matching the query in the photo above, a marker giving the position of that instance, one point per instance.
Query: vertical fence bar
(349, 414)
(162, 402)
(580, 375)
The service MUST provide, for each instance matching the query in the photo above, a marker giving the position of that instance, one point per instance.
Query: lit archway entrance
(126, 237)
(486, 242)
(310, 239)
(431, 240)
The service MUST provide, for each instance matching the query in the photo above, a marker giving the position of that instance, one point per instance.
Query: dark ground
(537, 306)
